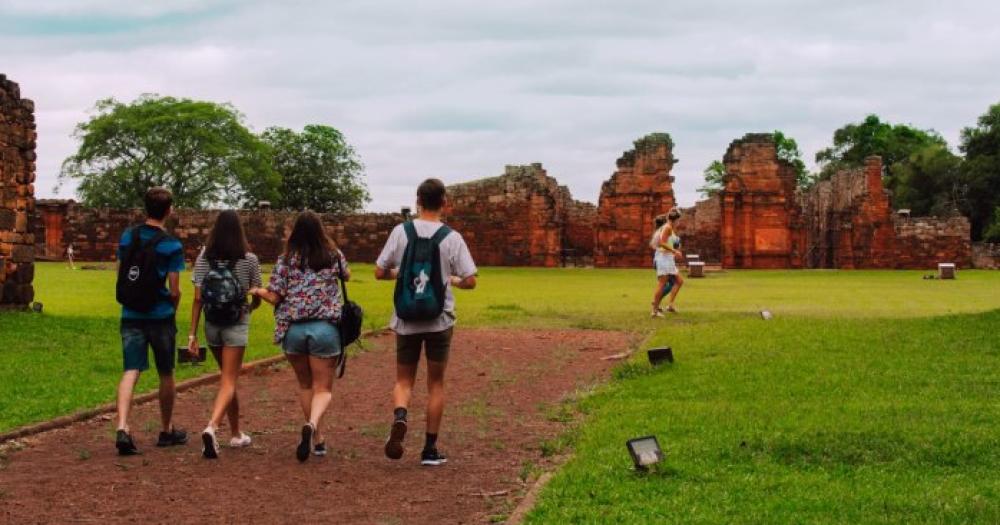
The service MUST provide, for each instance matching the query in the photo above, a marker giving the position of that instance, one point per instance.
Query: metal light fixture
(36, 307)
(645, 451)
(766, 315)
(659, 355)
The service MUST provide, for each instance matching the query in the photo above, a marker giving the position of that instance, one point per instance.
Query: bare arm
(267, 295)
(468, 283)
(195, 319)
(174, 278)
(386, 274)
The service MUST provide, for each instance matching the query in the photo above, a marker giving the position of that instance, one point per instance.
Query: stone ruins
(17, 190)
(525, 218)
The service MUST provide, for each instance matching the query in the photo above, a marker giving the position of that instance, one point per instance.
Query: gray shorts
(315, 338)
(232, 335)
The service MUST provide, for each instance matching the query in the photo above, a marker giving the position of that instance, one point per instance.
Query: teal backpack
(420, 288)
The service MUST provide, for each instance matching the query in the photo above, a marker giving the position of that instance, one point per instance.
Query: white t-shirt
(455, 260)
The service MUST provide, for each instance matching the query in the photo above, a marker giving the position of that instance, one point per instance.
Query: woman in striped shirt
(226, 250)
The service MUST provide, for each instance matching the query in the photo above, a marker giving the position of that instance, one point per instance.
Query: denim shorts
(138, 336)
(315, 338)
(229, 335)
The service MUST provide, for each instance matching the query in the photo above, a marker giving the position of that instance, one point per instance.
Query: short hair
(430, 194)
(158, 202)
(674, 214)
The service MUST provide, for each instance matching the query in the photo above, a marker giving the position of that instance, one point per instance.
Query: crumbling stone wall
(700, 229)
(17, 195)
(761, 224)
(849, 220)
(639, 190)
(94, 233)
(521, 218)
(923, 242)
(986, 255)
(581, 222)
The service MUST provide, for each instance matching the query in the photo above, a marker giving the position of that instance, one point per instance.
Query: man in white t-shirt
(458, 271)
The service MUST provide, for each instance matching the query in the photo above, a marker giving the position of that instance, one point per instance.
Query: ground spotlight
(766, 315)
(659, 355)
(36, 307)
(645, 451)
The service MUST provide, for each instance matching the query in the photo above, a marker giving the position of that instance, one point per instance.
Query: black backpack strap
(154, 240)
(340, 274)
(440, 235)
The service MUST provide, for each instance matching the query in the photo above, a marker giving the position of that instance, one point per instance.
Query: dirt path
(504, 388)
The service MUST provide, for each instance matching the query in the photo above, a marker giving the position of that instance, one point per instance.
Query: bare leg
(322, 385)
(167, 396)
(677, 288)
(435, 394)
(233, 410)
(303, 374)
(661, 283)
(125, 388)
(406, 375)
(232, 360)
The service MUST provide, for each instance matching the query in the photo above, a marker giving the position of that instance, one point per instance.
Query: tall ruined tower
(761, 220)
(636, 193)
(17, 195)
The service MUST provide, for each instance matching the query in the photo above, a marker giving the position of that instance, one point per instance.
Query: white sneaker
(242, 441)
(210, 448)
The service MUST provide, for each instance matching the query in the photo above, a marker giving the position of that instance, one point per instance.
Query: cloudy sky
(459, 89)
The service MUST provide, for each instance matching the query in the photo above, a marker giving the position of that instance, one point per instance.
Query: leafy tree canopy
(318, 170)
(981, 172)
(788, 150)
(200, 150)
(855, 141)
(928, 182)
(715, 175)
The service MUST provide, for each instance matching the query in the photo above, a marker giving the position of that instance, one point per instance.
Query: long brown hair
(227, 240)
(310, 243)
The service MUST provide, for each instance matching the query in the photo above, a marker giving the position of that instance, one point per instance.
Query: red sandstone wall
(986, 255)
(522, 218)
(95, 232)
(761, 225)
(923, 242)
(636, 193)
(17, 195)
(700, 229)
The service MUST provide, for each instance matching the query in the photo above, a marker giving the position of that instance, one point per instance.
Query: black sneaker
(319, 449)
(394, 444)
(302, 451)
(124, 444)
(172, 438)
(432, 458)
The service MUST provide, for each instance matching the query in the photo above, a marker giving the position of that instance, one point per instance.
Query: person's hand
(455, 280)
(193, 346)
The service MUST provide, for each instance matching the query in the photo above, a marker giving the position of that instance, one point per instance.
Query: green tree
(928, 182)
(855, 141)
(981, 171)
(318, 170)
(992, 234)
(201, 150)
(788, 150)
(715, 175)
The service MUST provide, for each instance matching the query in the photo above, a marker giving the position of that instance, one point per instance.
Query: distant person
(148, 261)
(308, 305)
(427, 259)
(665, 244)
(224, 273)
(69, 257)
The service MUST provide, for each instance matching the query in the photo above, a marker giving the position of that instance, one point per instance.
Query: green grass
(870, 398)
(797, 420)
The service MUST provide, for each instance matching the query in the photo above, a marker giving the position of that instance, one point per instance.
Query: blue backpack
(420, 288)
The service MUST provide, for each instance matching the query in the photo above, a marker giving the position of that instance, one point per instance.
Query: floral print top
(306, 294)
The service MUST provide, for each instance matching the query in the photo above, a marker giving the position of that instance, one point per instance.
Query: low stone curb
(84, 415)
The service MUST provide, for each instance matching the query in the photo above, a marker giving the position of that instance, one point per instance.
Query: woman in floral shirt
(305, 291)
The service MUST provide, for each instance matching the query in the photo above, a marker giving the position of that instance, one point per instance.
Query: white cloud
(459, 89)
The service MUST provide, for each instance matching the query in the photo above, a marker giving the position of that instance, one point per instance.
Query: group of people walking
(426, 258)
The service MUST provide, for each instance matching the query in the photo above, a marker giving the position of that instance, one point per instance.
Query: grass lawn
(870, 398)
